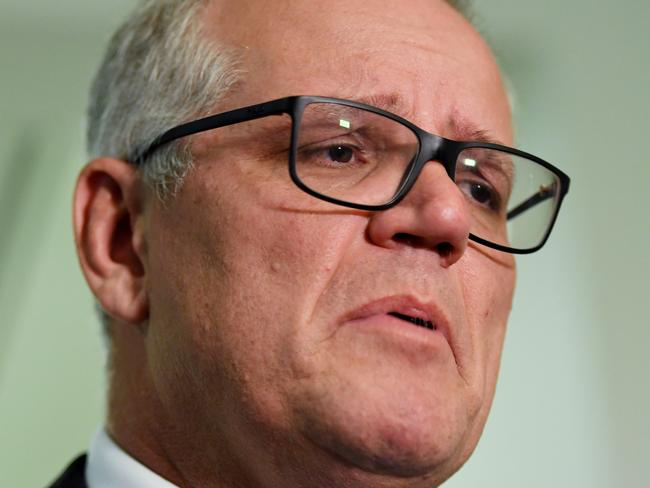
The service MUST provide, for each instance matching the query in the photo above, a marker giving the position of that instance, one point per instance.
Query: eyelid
(351, 134)
(490, 164)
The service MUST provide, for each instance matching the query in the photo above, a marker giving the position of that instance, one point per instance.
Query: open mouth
(427, 324)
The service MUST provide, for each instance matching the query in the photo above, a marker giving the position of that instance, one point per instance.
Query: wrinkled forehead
(422, 51)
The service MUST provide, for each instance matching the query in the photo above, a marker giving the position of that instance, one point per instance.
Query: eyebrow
(468, 132)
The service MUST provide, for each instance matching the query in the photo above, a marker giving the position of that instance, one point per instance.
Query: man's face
(269, 333)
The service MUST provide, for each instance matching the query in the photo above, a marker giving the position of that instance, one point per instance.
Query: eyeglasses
(363, 157)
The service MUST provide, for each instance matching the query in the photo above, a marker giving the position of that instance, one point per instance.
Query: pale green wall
(51, 356)
(573, 401)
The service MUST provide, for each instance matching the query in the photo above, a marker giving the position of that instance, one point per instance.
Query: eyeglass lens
(363, 158)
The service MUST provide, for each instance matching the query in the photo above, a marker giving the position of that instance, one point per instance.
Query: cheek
(488, 287)
(232, 286)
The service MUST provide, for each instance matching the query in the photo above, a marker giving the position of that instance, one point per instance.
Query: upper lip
(405, 305)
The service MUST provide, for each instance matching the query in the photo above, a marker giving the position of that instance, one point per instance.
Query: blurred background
(573, 403)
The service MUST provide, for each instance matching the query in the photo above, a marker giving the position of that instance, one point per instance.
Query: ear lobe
(109, 225)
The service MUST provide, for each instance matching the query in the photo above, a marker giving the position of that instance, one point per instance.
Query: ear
(109, 227)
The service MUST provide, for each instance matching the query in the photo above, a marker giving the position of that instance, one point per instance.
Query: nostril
(411, 240)
(444, 249)
(406, 239)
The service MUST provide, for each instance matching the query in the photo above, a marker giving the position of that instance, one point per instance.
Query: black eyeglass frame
(431, 148)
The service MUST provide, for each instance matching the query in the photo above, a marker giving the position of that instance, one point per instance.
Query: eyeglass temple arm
(236, 116)
(544, 193)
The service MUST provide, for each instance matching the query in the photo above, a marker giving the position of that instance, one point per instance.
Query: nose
(433, 215)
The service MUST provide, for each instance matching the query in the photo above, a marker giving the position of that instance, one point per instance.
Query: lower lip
(397, 329)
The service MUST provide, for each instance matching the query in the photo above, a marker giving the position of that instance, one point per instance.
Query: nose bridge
(435, 149)
(438, 191)
(434, 189)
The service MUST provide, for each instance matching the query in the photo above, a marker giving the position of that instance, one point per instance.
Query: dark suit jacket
(73, 476)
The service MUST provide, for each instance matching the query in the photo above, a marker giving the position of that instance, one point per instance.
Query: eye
(335, 155)
(340, 153)
(481, 193)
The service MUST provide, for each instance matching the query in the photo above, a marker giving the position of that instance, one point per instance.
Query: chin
(393, 440)
(400, 453)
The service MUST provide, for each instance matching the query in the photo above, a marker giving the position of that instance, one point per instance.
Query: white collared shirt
(109, 466)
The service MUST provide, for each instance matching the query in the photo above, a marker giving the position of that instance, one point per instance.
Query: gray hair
(158, 72)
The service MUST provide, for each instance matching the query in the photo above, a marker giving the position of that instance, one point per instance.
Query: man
(320, 297)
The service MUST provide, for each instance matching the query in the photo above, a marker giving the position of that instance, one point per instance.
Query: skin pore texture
(252, 344)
